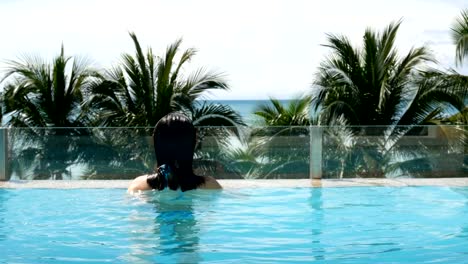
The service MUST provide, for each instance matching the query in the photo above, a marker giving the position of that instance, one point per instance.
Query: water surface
(282, 225)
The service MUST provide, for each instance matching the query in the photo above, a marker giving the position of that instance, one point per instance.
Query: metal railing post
(316, 134)
(3, 153)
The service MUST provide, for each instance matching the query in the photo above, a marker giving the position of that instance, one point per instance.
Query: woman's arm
(211, 183)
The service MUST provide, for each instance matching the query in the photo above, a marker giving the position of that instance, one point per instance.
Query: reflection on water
(463, 231)
(316, 203)
(177, 228)
(278, 225)
(4, 197)
(171, 229)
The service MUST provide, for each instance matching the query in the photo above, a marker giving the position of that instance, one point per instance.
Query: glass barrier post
(316, 135)
(3, 153)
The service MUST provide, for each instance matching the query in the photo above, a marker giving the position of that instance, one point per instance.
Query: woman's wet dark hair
(174, 139)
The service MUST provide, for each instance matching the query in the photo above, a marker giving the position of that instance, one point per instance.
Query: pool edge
(235, 184)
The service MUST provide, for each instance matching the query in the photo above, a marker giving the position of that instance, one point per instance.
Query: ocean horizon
(246, 107)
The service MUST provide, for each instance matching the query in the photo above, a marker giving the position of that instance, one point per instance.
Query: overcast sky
(265, 48)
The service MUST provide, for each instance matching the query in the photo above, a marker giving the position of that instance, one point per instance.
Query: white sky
(265, 48)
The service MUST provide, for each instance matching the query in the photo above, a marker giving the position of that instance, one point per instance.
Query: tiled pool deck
(235, 184)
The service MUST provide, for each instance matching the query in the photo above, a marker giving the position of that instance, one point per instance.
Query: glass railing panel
(392, 152)
(79, 153)
(254, 153)
(240, 152)
(124, 153)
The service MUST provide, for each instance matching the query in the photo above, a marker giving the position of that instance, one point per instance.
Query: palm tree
(374, 87)
(277, 119)
(369, 86)
(460, 36)
(284, 137)
(460, 39)
(276, 149)
(144, 88)
(296, 113)
(40, 96)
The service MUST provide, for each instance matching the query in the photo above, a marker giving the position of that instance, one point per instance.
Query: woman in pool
(174, 139)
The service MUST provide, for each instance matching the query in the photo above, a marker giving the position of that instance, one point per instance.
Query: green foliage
(371, 98)
(460, 36)
(381, 97)
(372, 85)
(119, 153)
(144, 88)
(253, 156)
(40, 95)
(279, 148)
(297, 113)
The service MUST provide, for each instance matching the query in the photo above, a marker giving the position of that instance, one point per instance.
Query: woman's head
(174, 142)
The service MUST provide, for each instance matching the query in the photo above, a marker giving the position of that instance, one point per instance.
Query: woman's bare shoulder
(139, 184)
(211, 183)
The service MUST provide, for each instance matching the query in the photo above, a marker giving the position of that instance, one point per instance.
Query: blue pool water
(329, 225)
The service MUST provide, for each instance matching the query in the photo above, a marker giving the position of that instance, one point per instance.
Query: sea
(246, 108)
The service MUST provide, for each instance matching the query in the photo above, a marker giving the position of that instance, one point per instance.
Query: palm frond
(297, 113)
(460, 36)
(210, 114)
(202, 81)
(165, 66)
(186, 57)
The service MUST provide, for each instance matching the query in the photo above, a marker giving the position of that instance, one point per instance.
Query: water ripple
(301, 225)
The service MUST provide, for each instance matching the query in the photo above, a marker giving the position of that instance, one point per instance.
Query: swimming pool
(267, 225)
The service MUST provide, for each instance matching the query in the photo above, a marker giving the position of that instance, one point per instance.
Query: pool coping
(236, 184)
